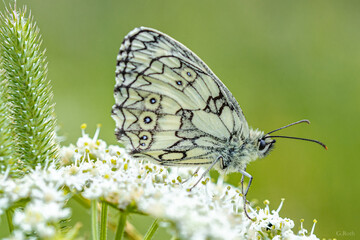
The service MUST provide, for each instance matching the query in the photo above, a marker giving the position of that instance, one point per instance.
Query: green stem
(121, 226)
(103, 221)
(81, 200)
(114, 206)
(73, 232)
(94, 220)
(150, 233)
(9, 215)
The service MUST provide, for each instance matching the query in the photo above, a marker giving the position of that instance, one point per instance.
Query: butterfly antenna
(289, 125)
(297, 138)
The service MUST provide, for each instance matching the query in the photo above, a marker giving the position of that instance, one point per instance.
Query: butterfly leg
(192, 175)
(206, 171)
(244, 173)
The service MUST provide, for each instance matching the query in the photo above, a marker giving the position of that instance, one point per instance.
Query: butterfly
(170, 108)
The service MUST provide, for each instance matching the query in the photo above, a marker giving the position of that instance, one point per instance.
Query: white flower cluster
(41, 192)
(208, 211)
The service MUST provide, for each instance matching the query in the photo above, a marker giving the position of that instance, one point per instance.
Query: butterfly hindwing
(169, 106)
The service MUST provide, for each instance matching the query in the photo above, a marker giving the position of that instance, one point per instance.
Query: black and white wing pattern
(169, 106)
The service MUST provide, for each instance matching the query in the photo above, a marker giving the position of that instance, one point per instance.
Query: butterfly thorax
(241, 151)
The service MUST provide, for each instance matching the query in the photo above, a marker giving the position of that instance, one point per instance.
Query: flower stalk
(94, 220)
(9, 216)
(103, 220)
(121, 226)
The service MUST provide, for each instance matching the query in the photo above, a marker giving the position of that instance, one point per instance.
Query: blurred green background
(282, 60)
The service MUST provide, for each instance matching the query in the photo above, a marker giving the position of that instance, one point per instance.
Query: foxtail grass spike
(29, 99)
(5, 143)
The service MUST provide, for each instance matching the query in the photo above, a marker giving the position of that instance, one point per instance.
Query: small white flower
(67, 154)
(4, 204)
(28, 220)
(38, 214)
(47, 192)
(15, 190)
(16, 235)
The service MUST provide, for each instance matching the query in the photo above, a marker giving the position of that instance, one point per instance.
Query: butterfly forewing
(169, 106)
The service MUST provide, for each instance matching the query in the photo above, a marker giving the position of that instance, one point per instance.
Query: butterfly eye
(262, 144)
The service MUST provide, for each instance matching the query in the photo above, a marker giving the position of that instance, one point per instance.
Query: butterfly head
(260, 143)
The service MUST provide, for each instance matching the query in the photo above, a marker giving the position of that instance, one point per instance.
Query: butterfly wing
(169, 106)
